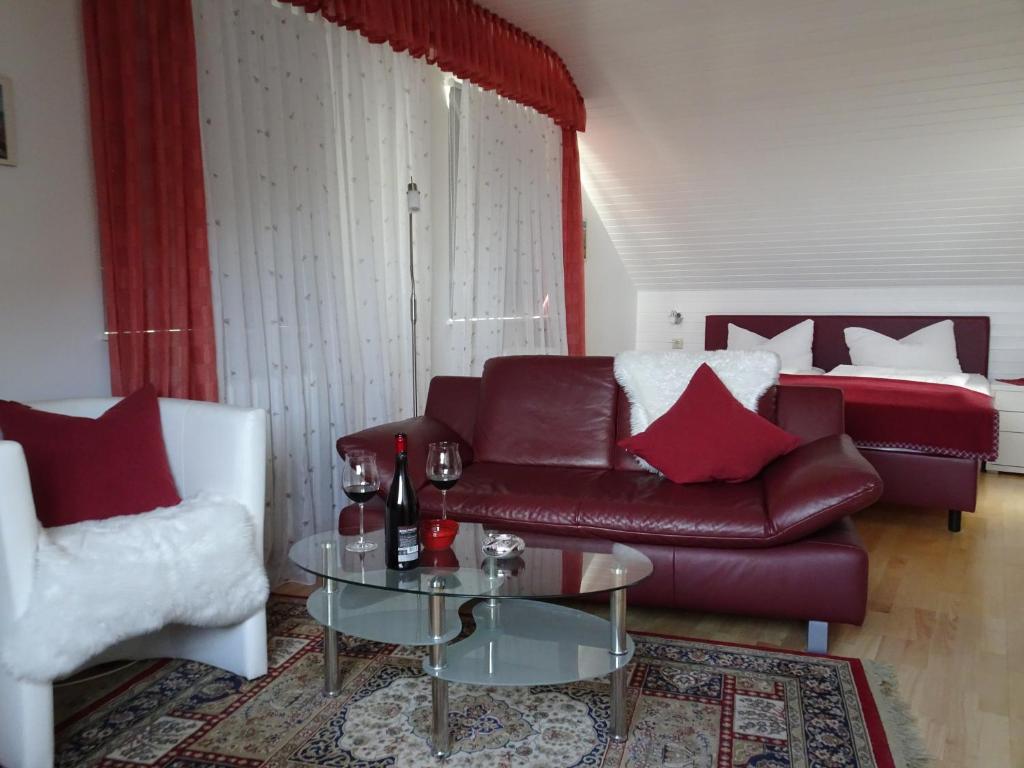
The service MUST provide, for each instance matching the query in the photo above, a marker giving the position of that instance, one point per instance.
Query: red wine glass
(361, 483)
(444, 468)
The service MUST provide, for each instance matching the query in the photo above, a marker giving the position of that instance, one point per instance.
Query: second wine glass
(361, 482)
(444, 468)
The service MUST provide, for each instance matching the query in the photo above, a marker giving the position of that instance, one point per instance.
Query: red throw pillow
(708, 435)
(91, 469)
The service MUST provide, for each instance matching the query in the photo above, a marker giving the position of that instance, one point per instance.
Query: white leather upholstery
(211, 447)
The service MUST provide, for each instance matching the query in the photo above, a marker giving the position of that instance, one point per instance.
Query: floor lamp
(413, 196)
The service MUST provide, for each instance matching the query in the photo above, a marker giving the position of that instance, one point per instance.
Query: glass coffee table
(518, 639)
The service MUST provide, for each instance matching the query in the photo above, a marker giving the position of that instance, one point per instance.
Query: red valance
(470, 42)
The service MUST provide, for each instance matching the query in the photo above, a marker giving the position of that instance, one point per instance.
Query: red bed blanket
(912, 415)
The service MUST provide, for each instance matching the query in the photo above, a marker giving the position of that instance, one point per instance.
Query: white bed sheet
(973, 381)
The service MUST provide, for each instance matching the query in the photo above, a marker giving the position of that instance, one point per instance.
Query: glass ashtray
(502, 545)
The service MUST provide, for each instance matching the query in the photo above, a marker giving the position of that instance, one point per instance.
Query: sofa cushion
(822, 577)
(708, 435)
(535, 498)
(641, 507)
(91, 469)
(547, 410)
(619, 506)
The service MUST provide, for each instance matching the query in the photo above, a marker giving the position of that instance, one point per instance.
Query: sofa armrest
(810, 413)
(816, 485)
(19, 533)
(422, 431)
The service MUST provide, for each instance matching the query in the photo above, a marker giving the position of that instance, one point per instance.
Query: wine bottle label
(408, 544)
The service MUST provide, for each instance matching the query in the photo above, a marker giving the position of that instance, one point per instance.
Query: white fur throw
(653, 381)
(102, 581)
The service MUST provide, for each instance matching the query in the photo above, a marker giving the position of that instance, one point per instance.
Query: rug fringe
(908, 750)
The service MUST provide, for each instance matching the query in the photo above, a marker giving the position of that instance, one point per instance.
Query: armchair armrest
(219, 448)
(422, 431)
(19, 533)
(816, 485)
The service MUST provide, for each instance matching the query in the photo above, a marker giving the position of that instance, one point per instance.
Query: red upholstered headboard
(830, 346)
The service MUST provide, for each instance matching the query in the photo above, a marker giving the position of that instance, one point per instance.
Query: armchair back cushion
(547, 410)
(90, 469)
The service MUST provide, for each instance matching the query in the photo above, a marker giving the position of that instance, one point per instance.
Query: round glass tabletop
(544, 570)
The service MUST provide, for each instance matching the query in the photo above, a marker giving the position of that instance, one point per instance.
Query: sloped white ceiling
(743, 144)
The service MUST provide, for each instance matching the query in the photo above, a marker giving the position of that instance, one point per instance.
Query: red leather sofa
(539, 435)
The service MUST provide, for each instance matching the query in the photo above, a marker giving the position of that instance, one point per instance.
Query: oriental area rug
(691, 704)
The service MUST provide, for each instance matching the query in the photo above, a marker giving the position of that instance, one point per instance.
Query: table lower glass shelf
(400, 618)
(528, 642)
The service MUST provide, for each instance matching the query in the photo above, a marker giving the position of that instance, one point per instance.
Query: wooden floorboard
(945, 610)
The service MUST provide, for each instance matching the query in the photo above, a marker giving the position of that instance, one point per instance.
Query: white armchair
(211, 447)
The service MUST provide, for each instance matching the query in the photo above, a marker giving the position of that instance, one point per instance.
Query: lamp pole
(413, 196)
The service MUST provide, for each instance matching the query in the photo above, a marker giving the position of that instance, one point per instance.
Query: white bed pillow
(932, 348)
(793, 345)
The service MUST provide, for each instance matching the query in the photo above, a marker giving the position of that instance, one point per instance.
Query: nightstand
(1010, 404)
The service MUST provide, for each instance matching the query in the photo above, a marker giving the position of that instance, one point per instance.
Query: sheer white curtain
(506, 263)
(310, 136)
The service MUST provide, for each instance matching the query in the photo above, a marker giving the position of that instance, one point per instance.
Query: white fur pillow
(932, 348)
(793, 345)
(653, 381)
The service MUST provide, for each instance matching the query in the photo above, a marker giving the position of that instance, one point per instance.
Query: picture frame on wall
(8, 156)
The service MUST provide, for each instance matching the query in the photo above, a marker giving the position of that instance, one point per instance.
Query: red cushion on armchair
(708, 435)
(91, 469)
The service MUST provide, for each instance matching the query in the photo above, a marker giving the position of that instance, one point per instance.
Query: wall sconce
(675, 317)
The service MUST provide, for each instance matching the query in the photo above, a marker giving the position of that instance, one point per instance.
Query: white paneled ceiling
(743, 144)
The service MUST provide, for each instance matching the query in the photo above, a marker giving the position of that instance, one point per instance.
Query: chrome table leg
(332, 686)
(440, 734)
(619, 647)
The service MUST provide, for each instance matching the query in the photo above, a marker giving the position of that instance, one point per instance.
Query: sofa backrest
(547, 409)
(453, 400)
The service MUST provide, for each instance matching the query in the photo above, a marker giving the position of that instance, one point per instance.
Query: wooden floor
(945, 610)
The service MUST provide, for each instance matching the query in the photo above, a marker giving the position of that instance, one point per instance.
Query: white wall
(611, 295)
(1004, 304)
(51, 306)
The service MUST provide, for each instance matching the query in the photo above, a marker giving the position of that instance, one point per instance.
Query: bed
(917, 468)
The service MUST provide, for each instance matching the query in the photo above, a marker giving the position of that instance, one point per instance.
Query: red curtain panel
(147, 153)
(477, 45)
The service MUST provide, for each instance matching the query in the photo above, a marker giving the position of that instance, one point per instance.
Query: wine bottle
(402, 514)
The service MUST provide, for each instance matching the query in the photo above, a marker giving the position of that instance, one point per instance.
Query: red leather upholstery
(621, 458)
(557, 411)
(816, 485)
(453, 400)
(381, 442)
(519, 497)
(810, 416)
(972, 334)
(822, 577)
(543, 462)
(807, 490)
(638, 507)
